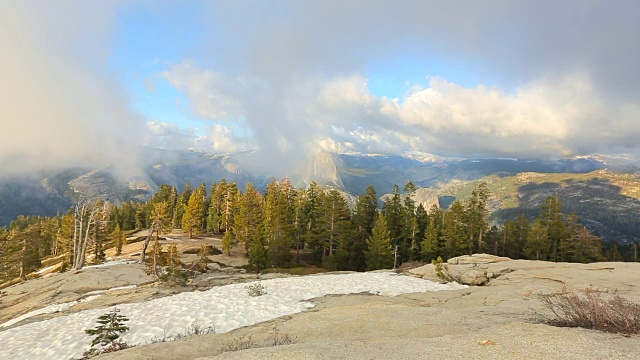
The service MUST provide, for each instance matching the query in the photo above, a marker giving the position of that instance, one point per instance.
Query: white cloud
(545, 118)
(60, 108)
(171, 137)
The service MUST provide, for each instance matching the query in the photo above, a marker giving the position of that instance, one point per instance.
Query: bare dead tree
(160, 216)
(85, 217)
(156, 227)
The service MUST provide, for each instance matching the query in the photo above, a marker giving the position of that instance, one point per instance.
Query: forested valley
(288, 227)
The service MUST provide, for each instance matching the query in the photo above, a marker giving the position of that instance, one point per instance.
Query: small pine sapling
(174, 272)
(203, 259)
(111, 325)
(227, 242)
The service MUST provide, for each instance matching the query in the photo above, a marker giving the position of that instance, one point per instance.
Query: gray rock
(214, 267)
(477, 259)
(230, 270)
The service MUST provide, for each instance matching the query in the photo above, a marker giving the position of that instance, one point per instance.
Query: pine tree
(250, 216)
(311, 215)
(422, 219)
(181, 203)
(173, 272)
(110, 328)
(216, 206)
(100, 232)
(588, 247)
(119, 239)
(9, 255)
(127, 214)
(380, 252)
(394, 216)
(24, 236)
(365, 214)
(203, 258)
(194, 212)
(475, 217)
(409, 236)
(227, 242)
(536, 247)
(552, 219)
(140, 217)
(161, 218)
(335, 223)
(230, 207)
(277, 228)
(455, 231)
(258, 258)
(431, 243)
(156, 260)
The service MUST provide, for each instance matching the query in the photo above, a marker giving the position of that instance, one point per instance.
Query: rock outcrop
(501, 320)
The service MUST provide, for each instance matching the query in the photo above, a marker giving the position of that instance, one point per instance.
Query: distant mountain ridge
(51, 192)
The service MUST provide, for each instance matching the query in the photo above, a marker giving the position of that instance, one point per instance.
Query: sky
(93, 81)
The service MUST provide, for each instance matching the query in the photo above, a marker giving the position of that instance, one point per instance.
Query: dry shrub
(277, 338)
(593, 309)
(255, 290)
(236, 344)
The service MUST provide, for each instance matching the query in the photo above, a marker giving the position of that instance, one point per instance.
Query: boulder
(476, 259)
(214, 267)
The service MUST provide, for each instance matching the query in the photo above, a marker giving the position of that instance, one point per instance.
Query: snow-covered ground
(51, 309)
(111, 263)
(47, 269)
(225, 308)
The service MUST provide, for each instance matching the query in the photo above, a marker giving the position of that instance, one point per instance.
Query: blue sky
(149, 40)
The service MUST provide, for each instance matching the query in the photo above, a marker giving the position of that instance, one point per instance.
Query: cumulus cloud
(290, 77)
(559, 90)
(552, 118)
(60, 107)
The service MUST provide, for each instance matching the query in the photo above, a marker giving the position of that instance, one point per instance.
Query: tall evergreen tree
(552, 219)
(365, 214)
(258, 257)
(335, 221)
(476, 217)
(380, 251)
(278, 228)
(431, 246)
(119, 239)
(216, 206)
(181, 203)
(194, 212)
(455, 231)
(536, 247)
(312, 209)
(394, 216)
(250, 217)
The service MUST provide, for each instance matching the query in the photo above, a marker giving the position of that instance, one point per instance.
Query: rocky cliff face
(325, 170)
(426, 197)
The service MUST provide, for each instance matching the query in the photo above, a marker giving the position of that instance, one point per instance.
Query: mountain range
(603, 190)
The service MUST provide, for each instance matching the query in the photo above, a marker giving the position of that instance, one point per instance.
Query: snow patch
(111, 263)
(112, 289)
(46, 269)
(225, 307)
(51, 309)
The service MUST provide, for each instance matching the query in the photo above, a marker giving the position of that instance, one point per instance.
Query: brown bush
(593, 309)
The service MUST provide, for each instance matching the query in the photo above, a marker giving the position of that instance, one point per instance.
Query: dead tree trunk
(23, 272)
(153, 228)
(85, 218)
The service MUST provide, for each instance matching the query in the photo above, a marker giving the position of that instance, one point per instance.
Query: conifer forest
(287, 227)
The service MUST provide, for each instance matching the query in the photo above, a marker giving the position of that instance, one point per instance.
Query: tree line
(286, 226)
